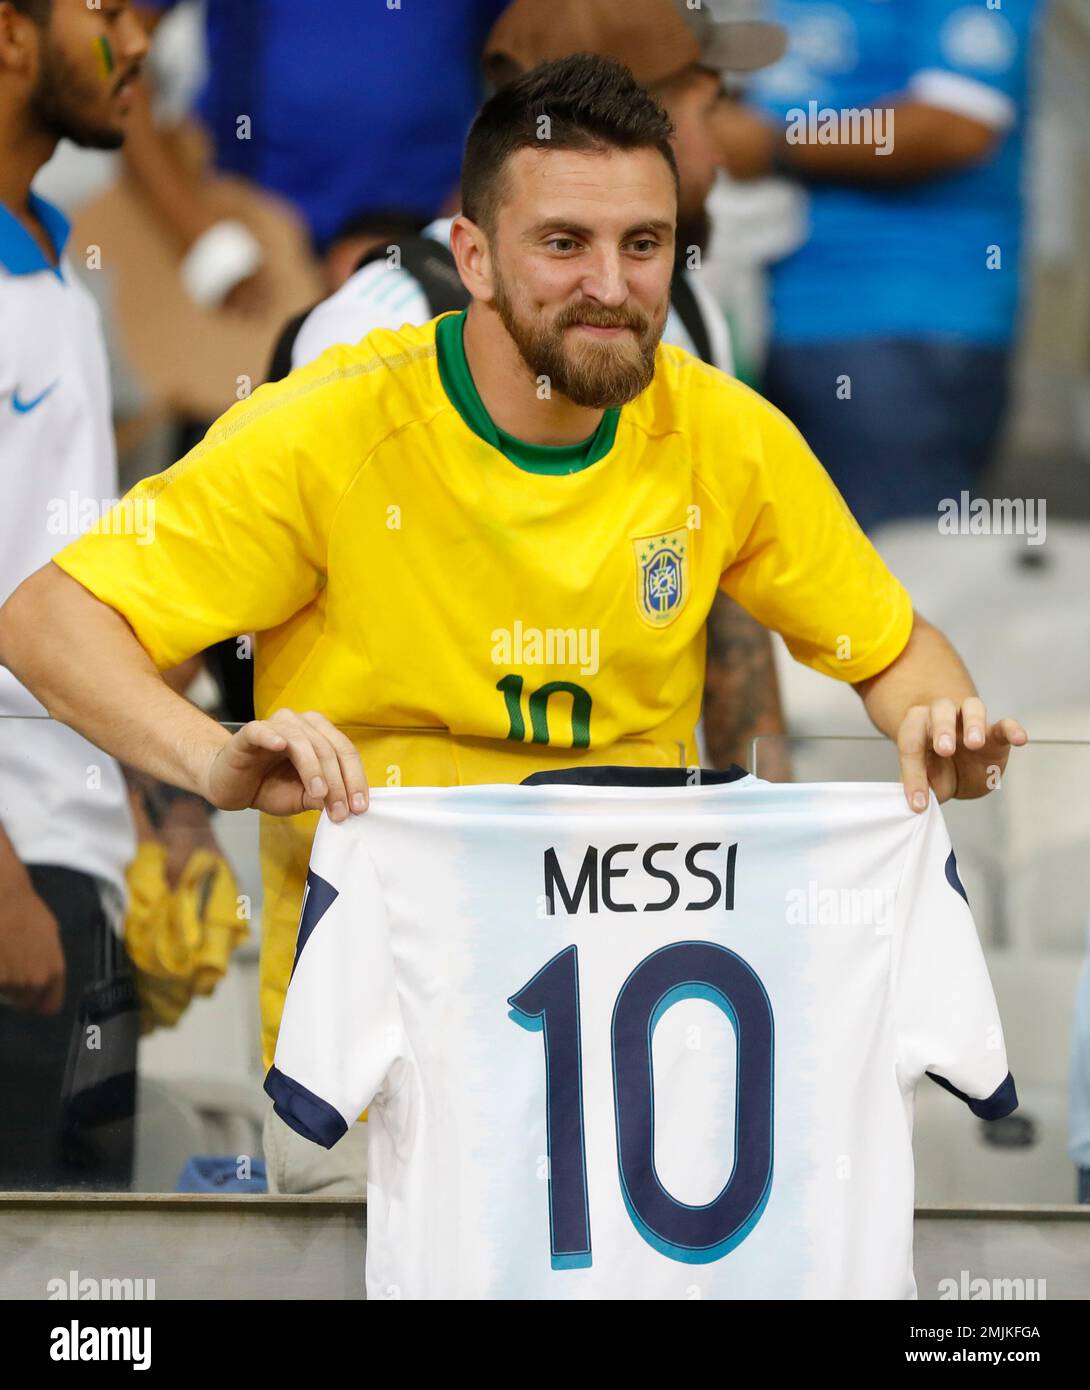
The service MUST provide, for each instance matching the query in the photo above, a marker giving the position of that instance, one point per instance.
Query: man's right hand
(31, 959)
(287, 764)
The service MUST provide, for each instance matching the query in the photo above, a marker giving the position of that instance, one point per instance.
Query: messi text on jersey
(597, 883)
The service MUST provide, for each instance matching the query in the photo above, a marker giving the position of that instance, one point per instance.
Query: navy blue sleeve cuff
(1002, 1101)
(308, 1114)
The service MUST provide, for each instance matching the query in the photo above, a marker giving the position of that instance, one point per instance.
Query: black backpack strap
(280, 364)
(685, 302)
(431, 265)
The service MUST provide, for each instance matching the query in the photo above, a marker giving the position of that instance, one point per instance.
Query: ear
(18, 40)
(469, 247)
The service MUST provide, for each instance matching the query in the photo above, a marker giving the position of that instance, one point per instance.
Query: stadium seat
(973, 591)
(1035, 995)
(1045, 791)
(1048, 900)
(978, 589)
(168, 1132)
(211, 1064)
(813, 704)
(958, 1164)
(963, 1166)
(216, 1038)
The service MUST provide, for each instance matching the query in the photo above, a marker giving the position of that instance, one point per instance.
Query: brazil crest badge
(662, 576)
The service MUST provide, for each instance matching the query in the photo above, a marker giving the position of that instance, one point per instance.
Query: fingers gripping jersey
(642, 1041)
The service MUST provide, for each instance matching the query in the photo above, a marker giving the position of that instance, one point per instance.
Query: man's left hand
(953, 751)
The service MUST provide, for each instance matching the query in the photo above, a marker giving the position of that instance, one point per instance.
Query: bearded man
(67, 71)
(488, 546)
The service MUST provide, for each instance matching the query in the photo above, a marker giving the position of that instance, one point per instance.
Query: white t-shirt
(62, 801)
(380, 296)
(624, 1041)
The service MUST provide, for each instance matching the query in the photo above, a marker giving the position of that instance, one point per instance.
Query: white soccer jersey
(636, 1040)
(62, 801)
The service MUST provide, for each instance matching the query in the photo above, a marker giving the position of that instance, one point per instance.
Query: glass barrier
(148, 1076)
(1023, 856)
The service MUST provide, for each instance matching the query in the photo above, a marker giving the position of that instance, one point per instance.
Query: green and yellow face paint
(104, 54)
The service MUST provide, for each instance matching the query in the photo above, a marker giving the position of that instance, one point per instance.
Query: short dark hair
(40, 11)
(593, 103)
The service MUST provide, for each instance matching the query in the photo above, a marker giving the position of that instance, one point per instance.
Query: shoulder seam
(390, 434)
(288, 396)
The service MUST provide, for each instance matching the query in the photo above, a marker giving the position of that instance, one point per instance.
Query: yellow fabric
(179, 941)
(397, 568)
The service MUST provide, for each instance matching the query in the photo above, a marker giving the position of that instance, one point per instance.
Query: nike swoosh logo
(25, 407)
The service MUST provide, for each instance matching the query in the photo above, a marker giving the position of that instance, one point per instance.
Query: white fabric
(715, 323)
(62, 801)
(951, 91)
(221, 258)
(788, 1011)
(377, 296)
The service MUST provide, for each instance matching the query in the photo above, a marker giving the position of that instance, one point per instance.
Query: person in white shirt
(66, 71)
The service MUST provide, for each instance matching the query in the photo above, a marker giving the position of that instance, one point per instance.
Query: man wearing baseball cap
(679, 53)
(657, 42)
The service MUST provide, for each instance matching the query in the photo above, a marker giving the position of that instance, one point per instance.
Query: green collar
(457, 382)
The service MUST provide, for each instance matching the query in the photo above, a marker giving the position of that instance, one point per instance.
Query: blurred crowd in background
(921, 313)
(267, 154)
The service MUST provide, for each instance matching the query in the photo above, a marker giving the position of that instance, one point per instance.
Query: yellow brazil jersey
(472, 611)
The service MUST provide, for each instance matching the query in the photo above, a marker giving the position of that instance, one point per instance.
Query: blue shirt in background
(909, 261)
(354, 107)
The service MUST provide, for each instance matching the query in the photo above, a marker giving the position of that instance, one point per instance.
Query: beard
(61, 98)
(597, 375)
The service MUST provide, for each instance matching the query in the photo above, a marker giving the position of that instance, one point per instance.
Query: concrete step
(221, 1247)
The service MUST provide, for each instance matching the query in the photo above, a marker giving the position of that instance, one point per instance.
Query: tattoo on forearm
(741, 692)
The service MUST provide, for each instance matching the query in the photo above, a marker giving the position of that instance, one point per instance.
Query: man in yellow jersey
(487, 545)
